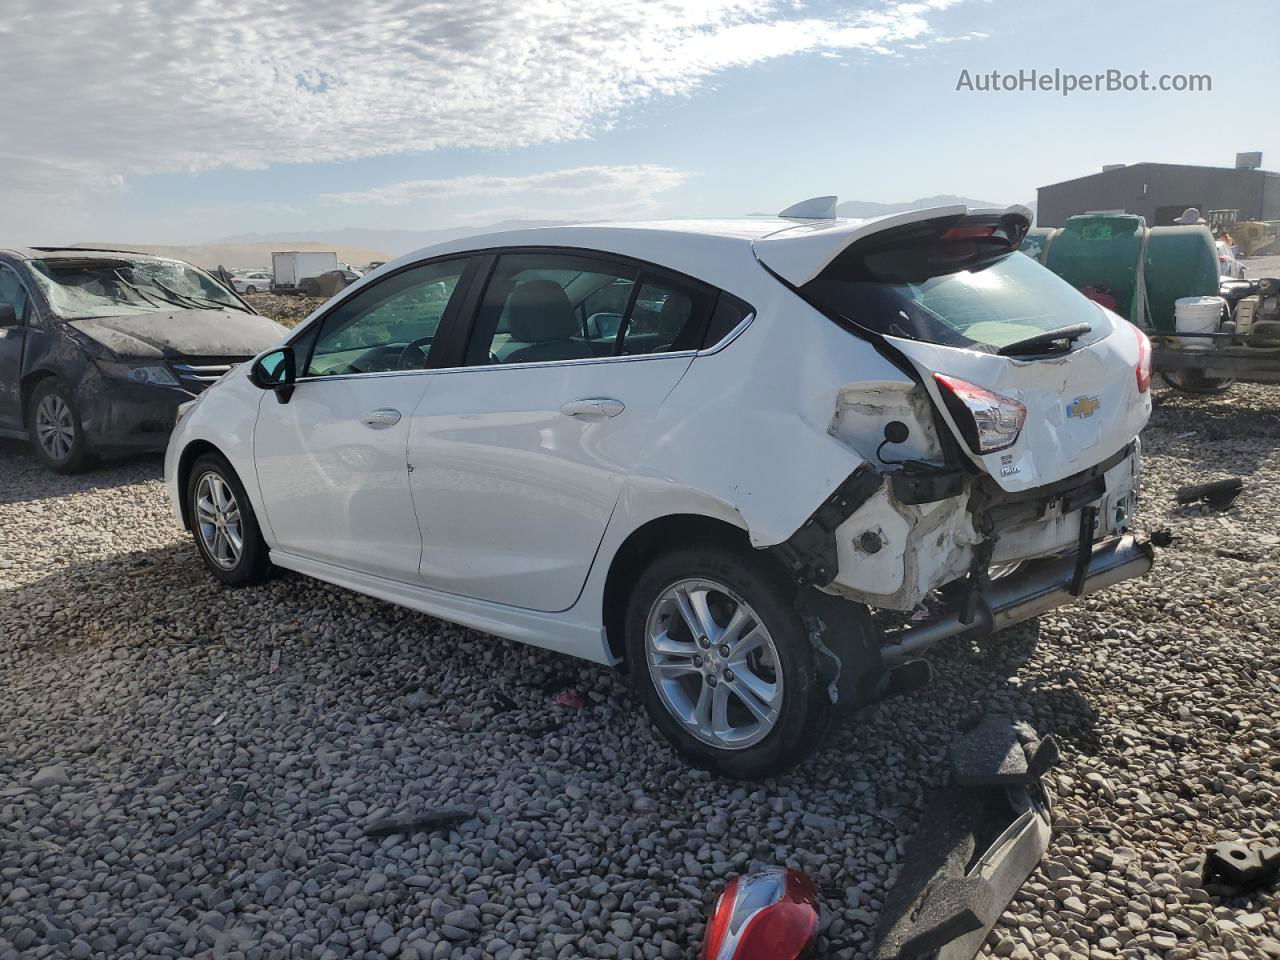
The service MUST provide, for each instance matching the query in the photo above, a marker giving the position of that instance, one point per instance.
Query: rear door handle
(381, 418)
(593, 408)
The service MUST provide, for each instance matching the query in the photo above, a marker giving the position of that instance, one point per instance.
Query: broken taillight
(1143, 369)
(771, 915)
(987, 420)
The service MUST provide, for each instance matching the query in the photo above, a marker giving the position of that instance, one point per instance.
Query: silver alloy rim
(55, 427)
(714, 664)
(218, 519)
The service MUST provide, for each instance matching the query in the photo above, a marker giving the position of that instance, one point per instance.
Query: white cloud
(99, 92)
(640, 181)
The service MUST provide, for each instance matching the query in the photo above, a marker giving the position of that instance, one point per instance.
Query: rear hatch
(1035, 381)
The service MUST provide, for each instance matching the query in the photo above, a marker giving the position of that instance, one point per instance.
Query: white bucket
(1197, 315)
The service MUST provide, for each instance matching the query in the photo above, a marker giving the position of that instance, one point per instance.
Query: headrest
(538, 311)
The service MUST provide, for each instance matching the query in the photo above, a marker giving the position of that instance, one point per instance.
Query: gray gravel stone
(154, 690)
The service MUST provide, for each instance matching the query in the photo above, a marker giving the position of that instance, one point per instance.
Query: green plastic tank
(1180, 262)
(1103, 252)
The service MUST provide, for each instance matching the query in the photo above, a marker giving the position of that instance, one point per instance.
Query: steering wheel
(401, 362)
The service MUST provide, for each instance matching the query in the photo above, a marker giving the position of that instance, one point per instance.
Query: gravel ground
(138, 697)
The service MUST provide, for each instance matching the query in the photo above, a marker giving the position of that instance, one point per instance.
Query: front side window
(388, 326)
(542, 307)
(13, 292)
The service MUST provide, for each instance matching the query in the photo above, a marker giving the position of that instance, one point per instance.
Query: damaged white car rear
(706, 451)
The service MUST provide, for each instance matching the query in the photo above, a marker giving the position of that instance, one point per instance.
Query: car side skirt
(552, 631)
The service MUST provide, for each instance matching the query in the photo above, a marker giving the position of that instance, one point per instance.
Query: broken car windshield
(79, 289)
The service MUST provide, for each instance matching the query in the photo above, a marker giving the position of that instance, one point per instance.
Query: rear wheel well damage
(193, 450)
(846, 641)
(640, 548)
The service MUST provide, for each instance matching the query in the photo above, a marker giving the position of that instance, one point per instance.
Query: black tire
(51, 398)
(803, 717)
(253, 564)
(1194, 382)
(250, 289)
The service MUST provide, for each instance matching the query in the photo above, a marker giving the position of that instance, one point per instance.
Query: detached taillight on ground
(1143, 369)
(987, 420)
(771, 915)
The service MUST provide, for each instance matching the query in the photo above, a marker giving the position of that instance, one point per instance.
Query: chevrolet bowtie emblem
(1083, 407)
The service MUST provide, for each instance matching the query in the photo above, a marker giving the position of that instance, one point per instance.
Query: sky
(183, 121)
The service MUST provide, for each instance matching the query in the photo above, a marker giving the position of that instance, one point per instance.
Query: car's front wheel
(225, 527)
(722, 662)
(54, 428)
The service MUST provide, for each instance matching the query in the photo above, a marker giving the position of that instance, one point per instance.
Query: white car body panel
(513, 495)
(515, 512)
(334, 488)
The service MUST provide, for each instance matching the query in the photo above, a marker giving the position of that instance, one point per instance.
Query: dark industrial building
(1160, 192)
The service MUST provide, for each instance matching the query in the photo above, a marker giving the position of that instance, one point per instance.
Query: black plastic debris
(1219, 494)
(979, 840)
(440, 818)
(1233, 869)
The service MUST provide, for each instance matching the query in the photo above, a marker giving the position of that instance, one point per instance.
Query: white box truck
(290, 267)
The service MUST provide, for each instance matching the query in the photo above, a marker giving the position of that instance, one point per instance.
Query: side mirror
(8, 316)
(275, 371)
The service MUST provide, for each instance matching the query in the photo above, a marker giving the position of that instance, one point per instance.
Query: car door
(12, 338)
(519, 455)
(331, 460)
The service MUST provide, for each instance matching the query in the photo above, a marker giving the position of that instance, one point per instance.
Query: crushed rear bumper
(1037, 587)
(979, 840)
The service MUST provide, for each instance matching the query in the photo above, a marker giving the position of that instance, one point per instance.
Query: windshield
(982, 309)
(116, 286)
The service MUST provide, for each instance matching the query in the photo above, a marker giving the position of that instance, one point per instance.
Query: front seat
(540, 318)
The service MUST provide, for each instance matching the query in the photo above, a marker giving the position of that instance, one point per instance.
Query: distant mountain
(391, 243)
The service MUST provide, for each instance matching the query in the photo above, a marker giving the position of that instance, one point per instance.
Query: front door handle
(381, 418)
(593, 408)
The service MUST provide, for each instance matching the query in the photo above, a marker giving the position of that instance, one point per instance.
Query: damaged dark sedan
(99, 347)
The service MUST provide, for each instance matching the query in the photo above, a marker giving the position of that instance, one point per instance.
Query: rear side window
(950, 283)
(729, 313)
(544, 307)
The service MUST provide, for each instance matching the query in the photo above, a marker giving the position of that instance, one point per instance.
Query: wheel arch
(27, 386)
(190, 453)
(659, 535)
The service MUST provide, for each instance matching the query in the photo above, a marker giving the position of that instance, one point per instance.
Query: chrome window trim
(729, 337)
(579, 362)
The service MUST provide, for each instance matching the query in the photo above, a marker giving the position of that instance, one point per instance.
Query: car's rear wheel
(251, 289)
(55, 430)
(722, 662)
(225, 527)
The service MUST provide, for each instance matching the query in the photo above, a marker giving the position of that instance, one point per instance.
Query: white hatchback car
(702, 450)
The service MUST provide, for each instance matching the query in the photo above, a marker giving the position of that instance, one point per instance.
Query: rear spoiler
(800, 253)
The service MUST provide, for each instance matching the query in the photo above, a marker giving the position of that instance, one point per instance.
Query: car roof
(71, 253)
(795, 248)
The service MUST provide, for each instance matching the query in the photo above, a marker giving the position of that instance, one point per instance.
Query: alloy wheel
(55, 427)
(714, 664)
(218, 520)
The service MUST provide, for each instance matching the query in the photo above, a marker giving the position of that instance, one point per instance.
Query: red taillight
(772, 915)
(987, 420)
(1143, 369)
(968, 232)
